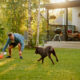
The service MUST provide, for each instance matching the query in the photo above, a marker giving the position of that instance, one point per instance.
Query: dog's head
(37, 50)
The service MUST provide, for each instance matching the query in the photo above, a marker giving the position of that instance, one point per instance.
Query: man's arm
(22, 44)
(6, 45)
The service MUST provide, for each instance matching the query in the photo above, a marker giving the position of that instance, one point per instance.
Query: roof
(68, 4)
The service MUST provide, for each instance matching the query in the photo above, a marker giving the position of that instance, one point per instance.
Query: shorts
(13, 44)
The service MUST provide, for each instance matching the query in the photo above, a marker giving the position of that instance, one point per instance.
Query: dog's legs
(39, 59)
(42, 60)
(49, 55)
(55, 55)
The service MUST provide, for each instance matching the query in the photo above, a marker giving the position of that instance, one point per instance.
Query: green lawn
(68, 67)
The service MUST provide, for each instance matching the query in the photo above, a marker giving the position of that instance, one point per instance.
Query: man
(14, 39)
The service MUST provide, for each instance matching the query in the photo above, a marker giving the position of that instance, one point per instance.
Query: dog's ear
(36, 47)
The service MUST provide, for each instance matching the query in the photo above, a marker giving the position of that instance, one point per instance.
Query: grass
(68, 67)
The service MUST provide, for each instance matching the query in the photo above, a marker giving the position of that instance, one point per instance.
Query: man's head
(11, 36)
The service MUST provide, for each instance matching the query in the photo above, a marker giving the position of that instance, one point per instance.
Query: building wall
(76, 17)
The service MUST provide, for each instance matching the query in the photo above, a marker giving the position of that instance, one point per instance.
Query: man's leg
(20, 52)
(9, 49)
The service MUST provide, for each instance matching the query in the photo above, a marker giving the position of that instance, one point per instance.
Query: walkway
(63, 44)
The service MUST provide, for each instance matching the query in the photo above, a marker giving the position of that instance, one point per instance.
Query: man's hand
(2, 53)
(20, 53)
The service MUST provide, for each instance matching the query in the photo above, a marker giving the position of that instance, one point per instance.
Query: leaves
(14, 17)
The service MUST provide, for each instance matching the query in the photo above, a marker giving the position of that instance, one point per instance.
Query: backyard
(68, 67)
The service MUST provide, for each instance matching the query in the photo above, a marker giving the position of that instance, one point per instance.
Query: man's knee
(10, 47)
(19, 46)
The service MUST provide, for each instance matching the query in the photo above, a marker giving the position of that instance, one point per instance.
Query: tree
(15, 13)
(20, 15)
(29, 25)
(38, 24)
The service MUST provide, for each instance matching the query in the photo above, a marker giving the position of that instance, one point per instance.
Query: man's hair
(10, 34)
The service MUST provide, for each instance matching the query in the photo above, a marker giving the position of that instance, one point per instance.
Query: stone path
(63, 44)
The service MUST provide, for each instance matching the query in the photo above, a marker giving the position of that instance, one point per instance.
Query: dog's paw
(57, 60)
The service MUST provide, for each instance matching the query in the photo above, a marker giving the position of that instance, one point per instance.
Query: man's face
(11, 37)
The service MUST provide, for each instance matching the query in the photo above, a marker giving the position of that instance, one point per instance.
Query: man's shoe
(8, 57)
(21, 57)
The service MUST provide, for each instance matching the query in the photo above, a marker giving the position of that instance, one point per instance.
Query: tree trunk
(38, 24)
(29, 25)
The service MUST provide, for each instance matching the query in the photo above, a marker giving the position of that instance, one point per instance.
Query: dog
(44, 52)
